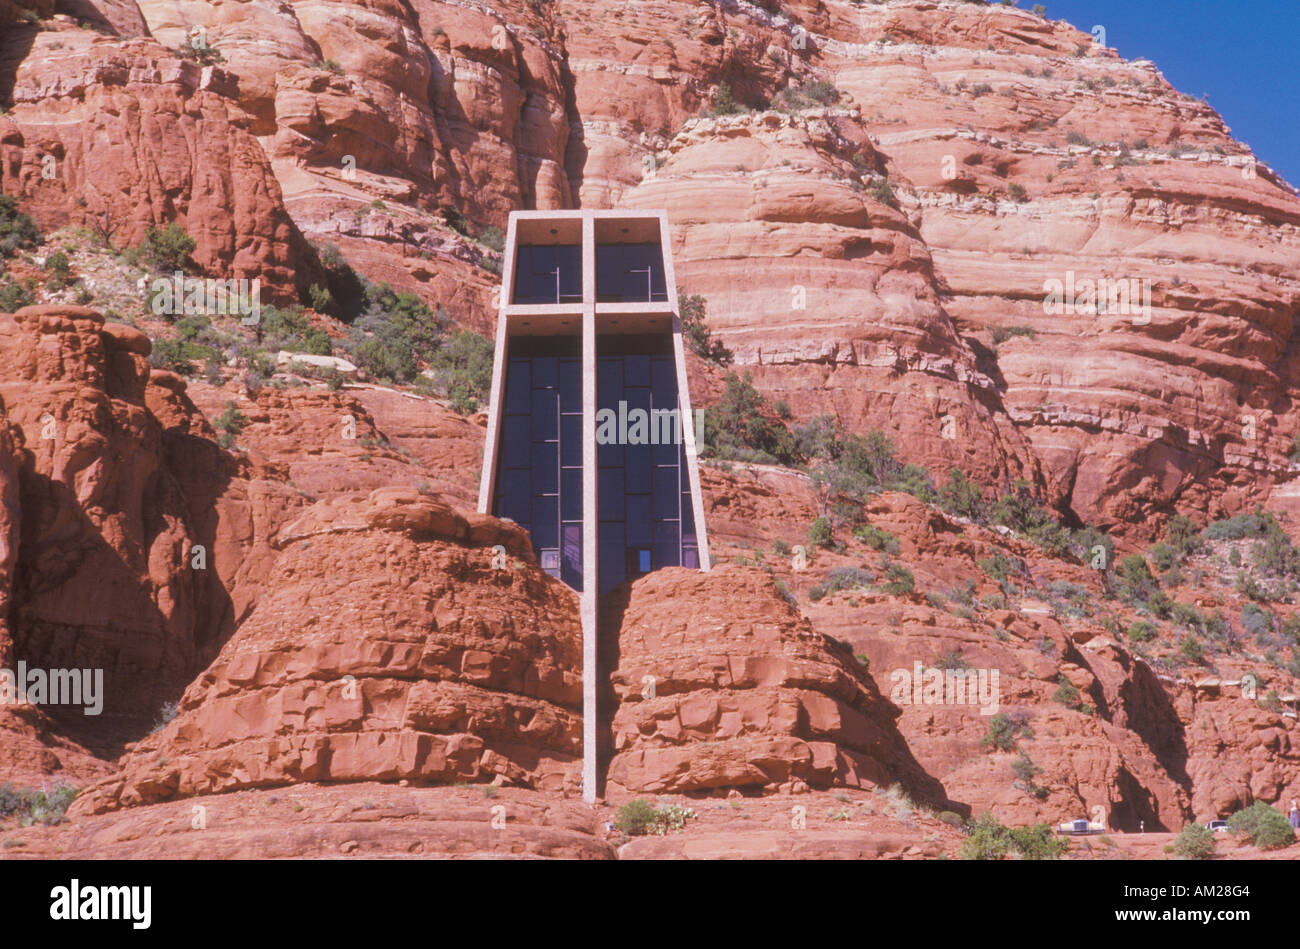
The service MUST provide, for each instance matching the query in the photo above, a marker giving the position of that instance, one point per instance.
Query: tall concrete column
(590, 513)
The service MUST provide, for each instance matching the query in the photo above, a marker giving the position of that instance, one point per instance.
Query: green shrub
(1141, 632)
(231, 420)
(724, 103)
(898, 580)
(806, 95)
(172, 355)
(634, 818)
(850, 467)
(1194, 842)
(14, 296)
(819, 532)
(462, 367)
(883, 192)
(842, 578)
(1022, 514)
(637, 818)
(36, 807)
(999, 566)
(1135, 583)
(167, 249)
(395, 333)
(17, 230)
(1005, 729)
(1068, 694)
(738, 426)
(1264, 826)
(695, 330)
(962, 497)
(1239, 527)
(322, 301)
(876, 538)
(1182, 534)
(990, 840)
(1191, 650)
(1024, 768)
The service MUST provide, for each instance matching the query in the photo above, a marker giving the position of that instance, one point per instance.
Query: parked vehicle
(1217, 826)
(1080, 827)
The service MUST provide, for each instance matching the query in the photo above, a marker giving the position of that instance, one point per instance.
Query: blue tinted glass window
(546, 371)
(609, 494)
(638, 519)
(518, 386)
(571, 439)
(666, 493)
(570, 383)
(546, 521)
(613, 568)
(548, 274)
(546, 467)
(666, 550)
(636, 370)
(516, 501)
(571, 494)
(515, 439)
(545, 415)
(571, 552)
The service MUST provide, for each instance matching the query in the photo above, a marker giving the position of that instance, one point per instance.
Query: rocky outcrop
(104, 576)
(120, 135)
(720, 684)
(395, 639)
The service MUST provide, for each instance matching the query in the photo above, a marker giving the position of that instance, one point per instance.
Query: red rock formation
(720, 684)
(103, 577)
(121, 135)
(389, 643)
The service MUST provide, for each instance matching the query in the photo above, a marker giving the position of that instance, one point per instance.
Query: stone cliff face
(874, 227)
(1016, 150)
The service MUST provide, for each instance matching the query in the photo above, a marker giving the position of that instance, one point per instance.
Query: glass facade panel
(641, 524)
(539, 484)
(644, 512)
(548, 273)
(630, 273)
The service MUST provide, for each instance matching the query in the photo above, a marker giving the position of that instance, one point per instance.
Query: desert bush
(639, 817)
(842, 578)
(1005, 729)
(36, 807)
(395, 333)
(990, 840)
(1194, 842)
(166, 250)
(695, 330)
(962, 497)
(739, 426)
(876, 538)
(17, 230)
(462, 367)
(1264, 826)
(898, 579)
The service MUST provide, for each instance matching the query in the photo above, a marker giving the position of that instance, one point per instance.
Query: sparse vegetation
(638, 818)
(695, 330)
(36, 807)
(1194, 842)
(990, 840)
(17, 230)
(1264, 826)
(1005, 729)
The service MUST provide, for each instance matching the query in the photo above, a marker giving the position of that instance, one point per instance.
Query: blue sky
(1244, 53)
